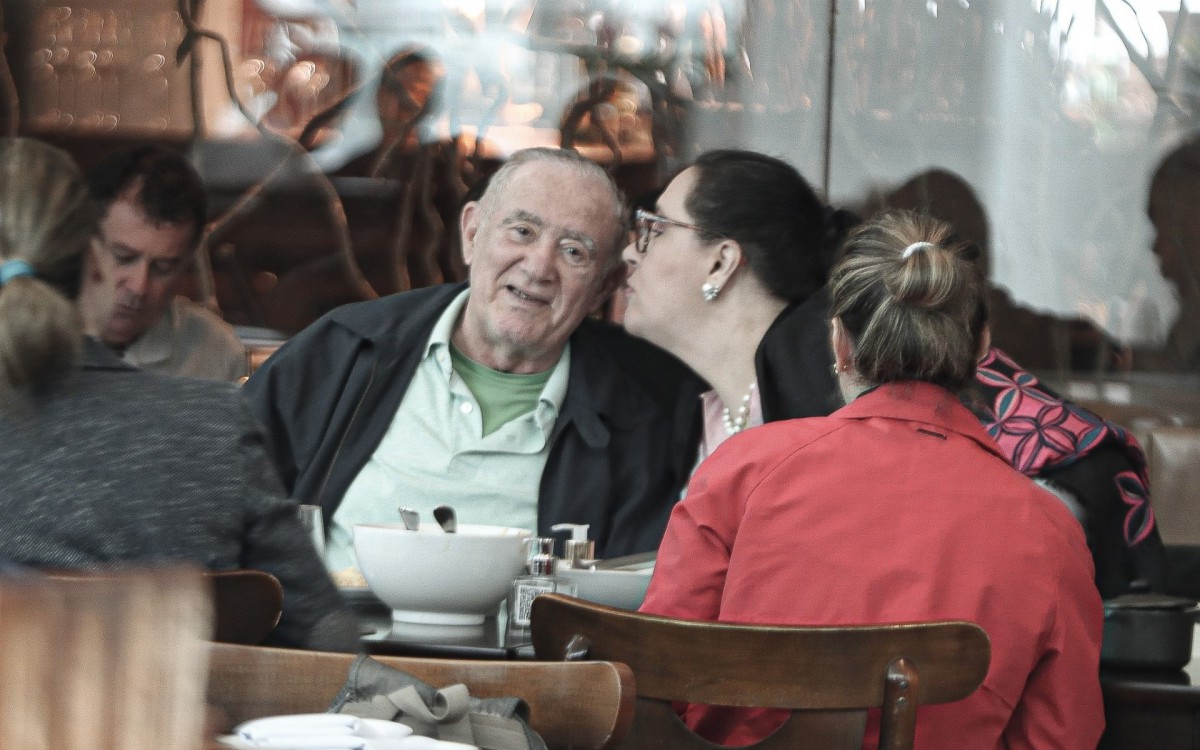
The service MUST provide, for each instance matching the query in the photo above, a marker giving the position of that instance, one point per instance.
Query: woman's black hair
(788, 234)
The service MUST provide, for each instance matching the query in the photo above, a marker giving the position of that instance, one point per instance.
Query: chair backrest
(571, 705)
(248, 605)
(829, 676)
(112, 662)
(1173, 455)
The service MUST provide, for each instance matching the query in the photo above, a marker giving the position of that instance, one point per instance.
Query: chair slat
(827, 669)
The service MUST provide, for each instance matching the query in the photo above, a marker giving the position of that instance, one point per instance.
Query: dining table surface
(492, 639)
(1144, 709)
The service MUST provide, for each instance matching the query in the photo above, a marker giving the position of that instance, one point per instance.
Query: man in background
(501, 398)
(154, 211)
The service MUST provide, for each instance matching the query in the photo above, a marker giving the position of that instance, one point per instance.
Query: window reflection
(98, 65)
(1064, 118)
(1056, 114)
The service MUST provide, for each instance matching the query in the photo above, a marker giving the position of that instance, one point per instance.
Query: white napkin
(298, 725)
(331, 732)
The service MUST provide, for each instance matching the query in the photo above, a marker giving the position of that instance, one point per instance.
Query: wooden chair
(586, 705)
(829, 675)
(114, 662)
(248, 604)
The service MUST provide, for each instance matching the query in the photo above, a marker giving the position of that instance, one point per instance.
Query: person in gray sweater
(106, 465)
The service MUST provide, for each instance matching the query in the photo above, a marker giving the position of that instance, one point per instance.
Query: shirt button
(466, 408)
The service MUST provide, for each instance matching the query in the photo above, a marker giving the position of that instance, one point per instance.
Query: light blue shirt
(434, 453)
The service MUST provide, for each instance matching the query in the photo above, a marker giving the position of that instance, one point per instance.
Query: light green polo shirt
(435, 453)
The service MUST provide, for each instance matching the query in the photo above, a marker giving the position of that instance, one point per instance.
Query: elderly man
(500, 398)
(154, 212)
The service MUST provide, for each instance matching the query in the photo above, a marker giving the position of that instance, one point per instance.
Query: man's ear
(91, 262)
(468, 227)
(612, 280)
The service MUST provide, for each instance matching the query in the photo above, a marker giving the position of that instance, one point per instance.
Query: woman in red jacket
(897, 507)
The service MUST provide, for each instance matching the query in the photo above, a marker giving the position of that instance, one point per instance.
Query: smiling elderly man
(501, 398)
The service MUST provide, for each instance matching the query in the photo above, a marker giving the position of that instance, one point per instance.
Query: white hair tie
(915, 247)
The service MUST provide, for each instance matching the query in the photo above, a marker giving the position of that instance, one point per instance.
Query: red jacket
(897, 507)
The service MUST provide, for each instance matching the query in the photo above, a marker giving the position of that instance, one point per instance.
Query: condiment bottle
(539, 580)
(578, 551)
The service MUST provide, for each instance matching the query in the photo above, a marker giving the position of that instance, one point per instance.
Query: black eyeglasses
(651, 225)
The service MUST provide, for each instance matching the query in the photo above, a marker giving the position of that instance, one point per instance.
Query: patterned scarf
(1039, 431)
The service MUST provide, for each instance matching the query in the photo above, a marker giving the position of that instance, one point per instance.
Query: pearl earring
(710, 292)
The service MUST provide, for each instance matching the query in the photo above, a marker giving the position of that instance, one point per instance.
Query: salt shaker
(539, 580)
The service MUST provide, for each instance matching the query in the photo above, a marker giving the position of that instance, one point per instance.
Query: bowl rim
(585, 572)
(464, 530)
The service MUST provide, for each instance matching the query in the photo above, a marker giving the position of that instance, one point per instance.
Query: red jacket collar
(916, 401)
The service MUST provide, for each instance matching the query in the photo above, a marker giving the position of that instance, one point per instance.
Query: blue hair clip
(11, 269)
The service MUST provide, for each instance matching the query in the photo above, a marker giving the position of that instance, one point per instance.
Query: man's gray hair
(585, 167)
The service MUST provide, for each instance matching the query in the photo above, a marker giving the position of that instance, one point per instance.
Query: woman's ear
(725, 263)
(842, 345)
(985, 342)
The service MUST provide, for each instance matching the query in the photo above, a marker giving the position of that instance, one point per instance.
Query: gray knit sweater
(118, 466)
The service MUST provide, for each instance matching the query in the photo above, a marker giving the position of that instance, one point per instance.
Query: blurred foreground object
(109, 663)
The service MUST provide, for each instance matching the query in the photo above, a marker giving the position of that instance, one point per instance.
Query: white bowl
(616, 588)
(431, 577)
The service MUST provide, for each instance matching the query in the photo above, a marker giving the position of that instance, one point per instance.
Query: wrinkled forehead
(573, 199)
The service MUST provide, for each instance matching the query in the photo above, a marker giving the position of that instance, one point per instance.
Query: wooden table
(1155, 710)
(1144, 710)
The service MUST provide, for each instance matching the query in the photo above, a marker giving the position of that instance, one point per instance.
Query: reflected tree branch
(10, 106)
(251, 198)
(1142, 63)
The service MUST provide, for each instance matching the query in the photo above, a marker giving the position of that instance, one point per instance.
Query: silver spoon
(411, 518)
(445, 517)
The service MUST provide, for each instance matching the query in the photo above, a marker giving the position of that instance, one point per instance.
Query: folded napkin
(331, 732)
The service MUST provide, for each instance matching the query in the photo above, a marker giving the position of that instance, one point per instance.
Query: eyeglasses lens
(643, 232)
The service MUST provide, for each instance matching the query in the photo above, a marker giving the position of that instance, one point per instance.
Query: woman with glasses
(724, 274)
(898, 507)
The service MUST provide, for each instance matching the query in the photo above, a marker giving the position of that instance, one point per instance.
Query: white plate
(318, 732)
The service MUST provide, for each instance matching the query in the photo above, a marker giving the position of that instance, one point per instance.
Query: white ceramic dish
(431, 577)
(616, 588)
(330, 732)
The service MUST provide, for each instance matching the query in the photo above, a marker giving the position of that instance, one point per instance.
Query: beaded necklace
(735, 424)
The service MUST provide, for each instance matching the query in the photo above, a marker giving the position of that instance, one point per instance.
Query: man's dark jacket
(617, 462)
